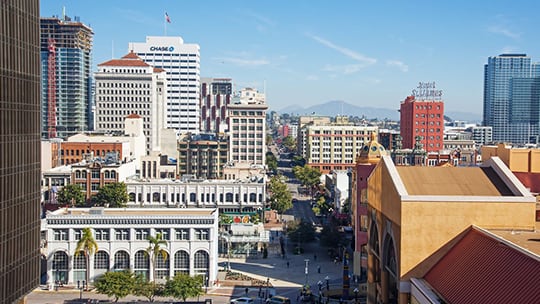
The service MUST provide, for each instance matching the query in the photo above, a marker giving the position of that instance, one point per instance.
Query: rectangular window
(142, 234)
(202, 234)
(60, 234)
(121, 234)
(165, 234)
(102, 234)
(77, 233)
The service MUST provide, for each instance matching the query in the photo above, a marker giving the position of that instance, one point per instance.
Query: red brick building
(422, 118)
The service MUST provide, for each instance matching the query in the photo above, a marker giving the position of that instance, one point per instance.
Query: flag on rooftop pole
(167, 18)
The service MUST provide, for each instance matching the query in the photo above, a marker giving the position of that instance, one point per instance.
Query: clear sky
(306, 52)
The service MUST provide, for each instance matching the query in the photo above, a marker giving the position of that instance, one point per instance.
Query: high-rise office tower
(423, 118)
(129, 86)
(247, 128)
(216, 94)
(20, 149)
(524, 110)
(498, 73)
(182, 63)
(66, 77)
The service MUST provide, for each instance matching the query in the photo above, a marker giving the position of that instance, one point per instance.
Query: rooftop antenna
(63, 13)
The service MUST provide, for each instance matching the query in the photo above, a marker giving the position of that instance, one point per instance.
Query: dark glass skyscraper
(19, 149)
(498, 73)
(67, 109)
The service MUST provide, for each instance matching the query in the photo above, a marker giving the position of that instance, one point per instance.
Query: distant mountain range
(338, 107)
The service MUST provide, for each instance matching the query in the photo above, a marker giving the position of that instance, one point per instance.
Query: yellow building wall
(519, 160)
(427, 226)
(382, 194)
(535, 161)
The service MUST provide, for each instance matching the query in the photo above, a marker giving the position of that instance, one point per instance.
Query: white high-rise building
(247, 128)
(182, 63)
(129, 87)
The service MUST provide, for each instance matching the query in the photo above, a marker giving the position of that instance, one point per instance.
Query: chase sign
(162, 48)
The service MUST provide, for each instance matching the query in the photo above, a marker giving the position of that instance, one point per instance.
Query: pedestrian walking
(319, 269)
(288, 264)
(315, 257)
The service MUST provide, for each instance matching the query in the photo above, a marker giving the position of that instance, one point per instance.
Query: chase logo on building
(162, 48)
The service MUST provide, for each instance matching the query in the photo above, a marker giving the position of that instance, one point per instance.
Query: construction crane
(51, 92)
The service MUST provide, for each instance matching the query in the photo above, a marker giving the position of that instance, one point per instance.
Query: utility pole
(306, 271)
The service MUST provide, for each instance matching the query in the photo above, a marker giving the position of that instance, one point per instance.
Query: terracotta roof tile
(158, 70)
(482, 268)
(129, 60)
(134, 115)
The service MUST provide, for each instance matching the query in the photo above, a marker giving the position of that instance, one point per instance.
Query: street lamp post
(306, 271)
(355, 295)
(81, 287)
(319, 284)
(327, 279)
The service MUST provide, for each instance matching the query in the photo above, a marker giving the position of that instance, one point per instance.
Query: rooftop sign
(426, 90)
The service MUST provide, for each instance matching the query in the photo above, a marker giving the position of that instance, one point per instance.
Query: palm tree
(88, 246)
(154, 249)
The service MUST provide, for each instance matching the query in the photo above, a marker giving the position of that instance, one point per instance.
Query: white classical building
(130, 87)
(121, 235)
(182, 63)
(231, 196)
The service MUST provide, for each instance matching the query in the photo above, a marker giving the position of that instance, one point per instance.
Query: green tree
(117, 284)
(303, 232)
(271, 161)
(308, 176)
(149, 290)
(331, 237)
(114, 194)
(280, 196)
(88, 246)
(290, 143)
(155, 250)
(183, 286)
(71, 194)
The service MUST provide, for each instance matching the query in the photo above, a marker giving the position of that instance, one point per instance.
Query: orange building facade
(74, 152)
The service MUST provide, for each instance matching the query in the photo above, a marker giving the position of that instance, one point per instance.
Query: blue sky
(306, 52)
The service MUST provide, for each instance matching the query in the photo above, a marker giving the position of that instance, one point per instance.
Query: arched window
(201, 262)
(78, 174)
(162, 265)
(142, 263)
(155, 197)
(107, 174)
(113, 174)
(79, 267)
(181, 262)
(101, 263)
(132, 196)
(121, 260)
(229, 197)
(252, 197)
(192, 197)
(60, 266)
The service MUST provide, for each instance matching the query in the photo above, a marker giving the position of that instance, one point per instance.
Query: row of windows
(123, 98)
(426, 107)
(245, 113)
(167, 55)
(204, 197)
(244, 120)
(141, 234)
(81, 152)
(128, 222)
(124, 71)
(342, 132)
(122, 85)
(95, 174)
(121, 261)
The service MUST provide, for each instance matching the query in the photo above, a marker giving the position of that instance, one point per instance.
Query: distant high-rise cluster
(512, 98)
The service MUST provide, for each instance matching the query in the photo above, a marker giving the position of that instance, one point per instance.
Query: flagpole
(165, 25)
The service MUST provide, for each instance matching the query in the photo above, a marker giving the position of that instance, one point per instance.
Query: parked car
(278, 300)
(242, 300)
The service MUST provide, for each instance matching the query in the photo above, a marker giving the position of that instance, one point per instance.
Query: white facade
(121, 235)
(482, 135)
(247, 128)
(227, 195)
(341, 188)
(128, 86)
(182, 63)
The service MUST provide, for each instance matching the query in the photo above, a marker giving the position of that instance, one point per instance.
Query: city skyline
(306, 53)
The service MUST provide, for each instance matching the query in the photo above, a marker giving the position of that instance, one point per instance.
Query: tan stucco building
(415, 212)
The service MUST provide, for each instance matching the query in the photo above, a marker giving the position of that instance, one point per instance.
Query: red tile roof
(129, 60)
(482, 268)
(158, 70)
(134, 115)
